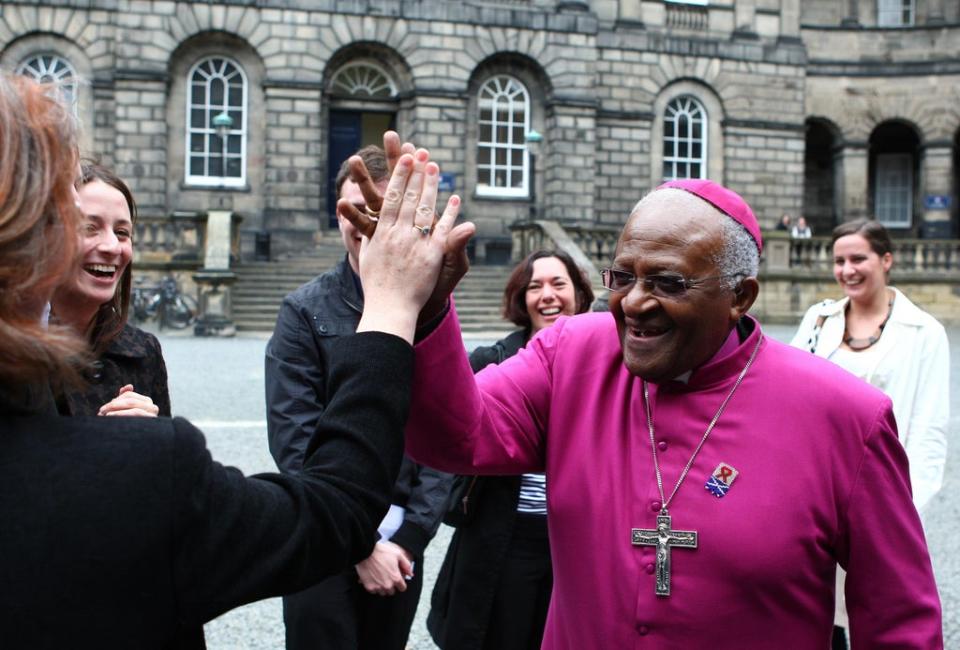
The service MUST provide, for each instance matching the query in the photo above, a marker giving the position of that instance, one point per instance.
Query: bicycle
(165, 303)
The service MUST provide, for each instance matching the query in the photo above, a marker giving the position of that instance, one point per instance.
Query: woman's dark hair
(871, 230)
(515, 293)
(112, 315)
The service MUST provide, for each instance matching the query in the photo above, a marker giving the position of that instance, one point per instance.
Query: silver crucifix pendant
(664, 537)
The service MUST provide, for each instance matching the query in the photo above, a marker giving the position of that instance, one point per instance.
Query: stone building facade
(829, 108)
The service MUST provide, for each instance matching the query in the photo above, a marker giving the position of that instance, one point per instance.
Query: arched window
(684, 139)
(503, 122)
(216, 148)
(53, 69)
(362, 80)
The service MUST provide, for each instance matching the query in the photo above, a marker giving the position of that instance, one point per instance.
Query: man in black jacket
(371, 607)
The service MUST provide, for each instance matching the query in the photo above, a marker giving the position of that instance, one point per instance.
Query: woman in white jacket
(877, 334)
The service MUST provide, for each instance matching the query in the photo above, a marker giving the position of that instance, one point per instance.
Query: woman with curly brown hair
(494, 586)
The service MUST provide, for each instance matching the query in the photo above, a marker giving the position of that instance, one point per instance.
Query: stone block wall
(598, 75)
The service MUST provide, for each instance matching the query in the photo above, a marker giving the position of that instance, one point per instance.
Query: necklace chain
(664, 502)
(855, 344)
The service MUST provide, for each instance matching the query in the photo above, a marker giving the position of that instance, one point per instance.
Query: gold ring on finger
(424, 230)
(374, 215)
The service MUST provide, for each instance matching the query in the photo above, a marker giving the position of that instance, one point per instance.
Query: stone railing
(935, 257)
(690, 17)
(794, 273)
(198, 250)
(170, 242)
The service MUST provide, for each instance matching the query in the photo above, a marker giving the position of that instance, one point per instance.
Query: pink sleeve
(891, 594)
(491, 423)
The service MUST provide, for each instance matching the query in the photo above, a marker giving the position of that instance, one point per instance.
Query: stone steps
(261, 287)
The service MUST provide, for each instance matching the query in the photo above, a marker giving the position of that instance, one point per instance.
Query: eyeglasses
(661, 285)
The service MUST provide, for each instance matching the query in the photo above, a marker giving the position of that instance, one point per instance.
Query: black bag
(463, 500)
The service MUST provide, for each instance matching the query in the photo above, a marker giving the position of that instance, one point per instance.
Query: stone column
(790, 20)
(934, 190)
(140, 139)
(295, 147)
(215, 279)
(854, 159)
(744, 19)
(567, 164)
(935, 12)
(852, 18)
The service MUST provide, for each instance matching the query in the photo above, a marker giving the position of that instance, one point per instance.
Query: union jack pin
(721, 480)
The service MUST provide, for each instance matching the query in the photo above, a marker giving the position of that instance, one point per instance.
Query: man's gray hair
(739, 257)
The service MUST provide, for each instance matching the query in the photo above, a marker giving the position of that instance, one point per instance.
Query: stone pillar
(934, 190)
(140, 140)
(295, 147)
(790, 20)
(567, 164)
(630, 12)
(744, 19)
(852, 19)
(935, 12)
(214, 280)
(855, 189)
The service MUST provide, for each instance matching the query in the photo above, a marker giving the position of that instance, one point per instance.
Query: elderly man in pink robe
(693, 501)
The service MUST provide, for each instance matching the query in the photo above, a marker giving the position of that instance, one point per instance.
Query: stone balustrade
(171, 242)
(794, 273)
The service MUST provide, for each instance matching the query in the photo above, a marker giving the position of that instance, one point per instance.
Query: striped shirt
(533, 494)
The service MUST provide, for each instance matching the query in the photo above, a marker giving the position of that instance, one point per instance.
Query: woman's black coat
(122, 532)
(463, 594)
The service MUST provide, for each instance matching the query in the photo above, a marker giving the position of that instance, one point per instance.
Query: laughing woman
(877, 334)
(128, 376)
(494, 586)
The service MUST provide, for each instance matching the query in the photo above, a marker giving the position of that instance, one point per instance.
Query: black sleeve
(426, 506)
(294, 380)
(242, 539)
(159, 390)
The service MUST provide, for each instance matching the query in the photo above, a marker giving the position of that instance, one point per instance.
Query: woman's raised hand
(401, 261)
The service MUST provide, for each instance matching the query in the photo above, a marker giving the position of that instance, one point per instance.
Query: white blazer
(912, 368)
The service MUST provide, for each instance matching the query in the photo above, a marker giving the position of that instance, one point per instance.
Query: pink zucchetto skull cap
(727, 201)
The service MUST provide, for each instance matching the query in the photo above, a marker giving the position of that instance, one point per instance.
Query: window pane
(196, 166)
(216, 166)
(236, 95)
(502, 136)
(516, 178)
(198, 118)
(516, 157)
(233, 143)
(216, 92)
(233, 167)
(196, 142)
(485, 133)
(483, 156)
(501, 157)
(197, 95)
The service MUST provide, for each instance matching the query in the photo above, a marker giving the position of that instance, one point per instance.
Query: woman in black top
(123, 532)
(494, 586)
(128, 375)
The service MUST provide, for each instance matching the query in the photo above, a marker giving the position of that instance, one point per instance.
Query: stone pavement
(218, 384)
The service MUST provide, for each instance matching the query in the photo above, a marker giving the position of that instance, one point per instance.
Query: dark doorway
(820, 198)
(894, 172)
(349, 131)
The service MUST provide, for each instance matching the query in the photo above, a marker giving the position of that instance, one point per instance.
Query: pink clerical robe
(821, 479)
